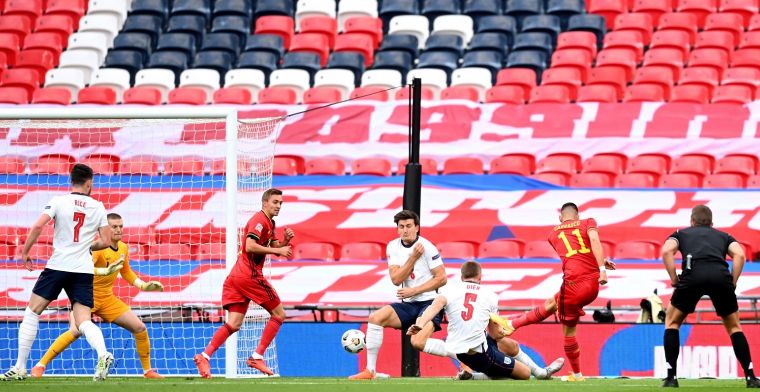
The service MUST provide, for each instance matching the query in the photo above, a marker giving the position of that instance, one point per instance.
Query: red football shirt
(261, 229)
(571, 241)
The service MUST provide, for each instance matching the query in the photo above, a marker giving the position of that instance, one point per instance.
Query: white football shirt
(77, 219)
(468, 309)
(398, 254)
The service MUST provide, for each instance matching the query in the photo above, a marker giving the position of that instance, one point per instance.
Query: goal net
(185, 181)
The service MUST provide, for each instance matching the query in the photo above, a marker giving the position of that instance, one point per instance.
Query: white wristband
(602, 269)
(139, 283)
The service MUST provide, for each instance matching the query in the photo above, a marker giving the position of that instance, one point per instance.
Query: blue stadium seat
(238, 25)
(498, 24)
(273, 7)
(218, 60)
(174, 61)
(435, 8)
(405, 42)
(534, 41)
(542, 24)
(134, 41)
(158, 8)
(129, 60)
(564, 9)
(352, 61)
(519, 9)
(446, 61)
(309, 62)
(227, 42)
(191, 24)
(233, 7)
(490, 41)
(180, 42)
(480, 8)
(192, 7)
(148, 24)
(589, 22)
(533, 59)
(445, 42)
(489, 59)
(270, 42)
(394, 59)
(391, 8)
(263, 60)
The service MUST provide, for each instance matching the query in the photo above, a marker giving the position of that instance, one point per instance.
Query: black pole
(410, 358)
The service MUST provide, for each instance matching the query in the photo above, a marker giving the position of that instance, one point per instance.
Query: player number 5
(469, 298)
(570, 250)
(79, 219)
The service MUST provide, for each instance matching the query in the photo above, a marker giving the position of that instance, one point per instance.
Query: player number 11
(570, 250)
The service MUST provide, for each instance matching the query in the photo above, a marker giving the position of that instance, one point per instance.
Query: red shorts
(572, 297)
(239, 292)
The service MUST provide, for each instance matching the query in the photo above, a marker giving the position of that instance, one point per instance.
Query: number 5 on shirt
(469, 298)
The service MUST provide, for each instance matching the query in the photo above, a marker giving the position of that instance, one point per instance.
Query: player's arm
(738, 258)
(400, 273)
(438, 281)
(598, 251)
(130, 276)
(105, 239)
(251, 246)
(31, 239)
(669, 250)
(434, 308)
(98, 258)
(289, 234)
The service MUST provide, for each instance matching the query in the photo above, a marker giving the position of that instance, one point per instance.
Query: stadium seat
(578, 59)
(568, 163)
(139, 166)
(432, 9)
(433, 79)
(279, 96)
(215, 60)
(322, 95)
(232, 7)
(671, 58)
(640, 22)
(429, 166)
(296, 79)
(671, 39)
(457, 250)
(525, 78)
(114, 8)
(636, 180)
(654, 8)
(315, 251)
(314, 8)
(284, 166)
(556, 178)
(367, 25)
(690, 94)
(489, 41)
(461, 25)
(10, 44)
(476, 77)
(370, 93)
(463, 165)
(467, 93)
(52, 164)
(176, 62)
(656, 164)
(481, 8)
(539, 250)
(415, 25)
(644, 93)
(385, 78)
(498, 24)
(52, 96)
(722, 40)
(520, 9)
(623, 59)
(39, 60)
(44, 41)
(569, 78)
(231, 24)
(311, 43)
(206, 79)
(325, 166)
(753, 182)
(252, 80)
(445, 42)
(371, 166)
(192, 166)
(398, 60)
(520, 164)
(546, 24)
(282, 26)
(505, 94)
(725, 181)
(309, 62)
(592, 180)
(501, 249)
(733, 94)
(625, 39)
(614, 77)
(73, 9)
(588, 22)
(146, 24)
(180, 42)
(97, 95)
(353, 42)
(169, 252)
(610, 163)
(636, 250)
(531, 59)
(158, 8)
(90, 41)
(143, 96)
(188, 96)
(162, 79)
(68, 78)
(727, 22)
(265, 42)
(17, 25)
(699, 8)
(405, 42)
(609, 9)
(598, 93)
(706, 77)
(393, 8)
(273, 7)
(341, 79)
(744, 164)
(745, 8)
(28, 8)
(488, 59)
(10, 165)
(362, 251)
(565, 9)
(26, 79)
(14, 95)
(212, 251)
(226, 42)
(712, 58)
(655, 76)
(322, 25)
(701, 164)
(746, 58)
(103, 164)
(266, 62)
(350, 9)
(104, 23)
(550, 94)
(582, 40)
(534, 41)
(128, 60)
(681, 180)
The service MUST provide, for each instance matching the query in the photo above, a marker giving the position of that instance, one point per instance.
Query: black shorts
(78, 286)
(493, 363)
(717, 284)
(408, 312)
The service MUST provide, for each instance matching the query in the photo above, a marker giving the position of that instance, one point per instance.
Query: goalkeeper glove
(111, 269)
(149, 286)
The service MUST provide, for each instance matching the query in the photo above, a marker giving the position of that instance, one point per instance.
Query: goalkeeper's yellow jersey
(103, 285)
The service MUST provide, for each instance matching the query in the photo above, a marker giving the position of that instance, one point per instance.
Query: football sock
(27, 332)
(437, 347)
(220, 336)
(61, 343)
(270, 330)
(535, 315)
(374, 340)
(142, 343)
(573, 353)
(535, 370)
(672, 343)
(94, 337)
(741, 349)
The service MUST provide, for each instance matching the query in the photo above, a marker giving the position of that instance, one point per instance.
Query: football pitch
(286, 384)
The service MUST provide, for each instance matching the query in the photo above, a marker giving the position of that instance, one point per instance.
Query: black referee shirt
(702, 247)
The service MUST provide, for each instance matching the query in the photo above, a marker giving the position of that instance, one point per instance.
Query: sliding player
(111, 309)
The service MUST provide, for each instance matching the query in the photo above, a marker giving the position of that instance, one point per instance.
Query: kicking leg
(533, 316)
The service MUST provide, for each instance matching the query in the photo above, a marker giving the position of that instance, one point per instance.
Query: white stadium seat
(251, 79)
(342, 79)
(162, 79)
(117, 8)
(306, 8)
(353, 8)
(460, 25)
(71, 79)
(85, 60)
(92, 40)
(433, 78)
(477, 77)
(115, 78)
(415, 25)
(206, 79)
(386, 78)
(296, 79)
(105, 23)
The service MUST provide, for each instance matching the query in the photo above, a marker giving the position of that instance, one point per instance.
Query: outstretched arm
(427, 315)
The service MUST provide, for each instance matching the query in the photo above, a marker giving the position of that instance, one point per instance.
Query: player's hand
(28, 263)
(413, 330)
(289, 234)
(609, 264)
(418, 251)
(406, 292)
(286, 251)
(152, 285)
(603, 278)
(111, 269)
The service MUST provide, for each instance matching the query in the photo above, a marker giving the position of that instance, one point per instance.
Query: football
(353, 341)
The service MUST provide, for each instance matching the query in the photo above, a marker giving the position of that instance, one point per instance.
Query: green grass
(124, 384)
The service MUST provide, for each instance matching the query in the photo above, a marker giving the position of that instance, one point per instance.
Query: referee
(704, 272)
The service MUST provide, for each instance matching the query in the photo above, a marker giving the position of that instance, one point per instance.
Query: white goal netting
(183, 187)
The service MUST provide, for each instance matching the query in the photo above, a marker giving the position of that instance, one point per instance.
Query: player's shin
(27, 332)
(741, 349)
(535, 370)
(142, 344)
(533, 316)
(437, 347)
(61, 343)
(270, 331)
(94, 337)
(374, 340)
(573, 353)
(672, 343)
(220, 336)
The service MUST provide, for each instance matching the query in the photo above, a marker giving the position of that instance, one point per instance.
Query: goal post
(192, 210)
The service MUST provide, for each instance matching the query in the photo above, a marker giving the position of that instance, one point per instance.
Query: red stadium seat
(640, 22)
(467, 93)
(17, 25)
(26, 79)
(45, 41)
(556, 178)
(193, 166)
(636, 250)
(75, 9)
(582, 40)
(215, 251)
(653, 8)
(524, 78)
(429, 166)
(636, 180)
(598, 93)
(644, 93)
(366, 25)
(97, 95)
(53, 164)
(706, 77)
(169, 252)
(278, 95)
(733, 94)
(142, 96)
(655, 76)
(698, 8)
(52, 95)
(564, 162)
(693, 163)
(681, 180)
(9, 235)
(14, 95)
(10, 165)
(233, 95)
(300, 162)
(402, 94)
(746, 58)
(187, 96)
(41, 252)
(656, 164)
(570, 78)
(501, 249)
(609, 9)
(315, 251)
(690, 94)
(592, 180)
(463, 165)
(550, 94)
(750, 40)
(506, 94)
(9, 47)
(623, 59)
(671, 39)
(539, 250)
(578, 59)
(47, 235)
(362, 251)
(671, 58)
(219, 167)
(29, 8)
(311, 43)
(611, 163)
(59, 24)
(741, 76)
(103, 164)
(284, 166)
(371, 166)
(326, 166)
(725, 181)
(625, 39)
(609, 76)
(139, 166)
(353, 42)
(754, 23)
(745, 8)
(276, 24)
(722, 40)
(39, 60)
(323, 25)
(728, 22)
(745, 164)
(370, 93)
(681, 22)
(322, 95)
(753, 182)
(522, 164)
(457, 250)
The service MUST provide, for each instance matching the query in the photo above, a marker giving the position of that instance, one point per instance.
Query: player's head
(471, 271)
(569, 211)
(701, 215)
(407, 225)
(271, 202)
(117, 226)
(81, 177)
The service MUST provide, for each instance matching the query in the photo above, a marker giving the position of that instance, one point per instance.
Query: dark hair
(113, 215)
(569, 205)
(80, 173)
(406, 214)
(470, 269)
(269, 193)
(701, 215)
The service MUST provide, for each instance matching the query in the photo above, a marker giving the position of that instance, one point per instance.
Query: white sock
(437, 347)
(374, 340)
(479, 376)
(205, 355)
(536, 371)
(256, 355)
(27, 332)
(94, 336)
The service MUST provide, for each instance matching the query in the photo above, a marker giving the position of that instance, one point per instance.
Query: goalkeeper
(109, 263)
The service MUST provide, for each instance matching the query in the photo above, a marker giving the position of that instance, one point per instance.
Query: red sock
(270, 330)
(220, 336)
(536, 315)
(573, 353)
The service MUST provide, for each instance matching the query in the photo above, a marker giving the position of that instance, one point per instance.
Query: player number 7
(79, 219)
